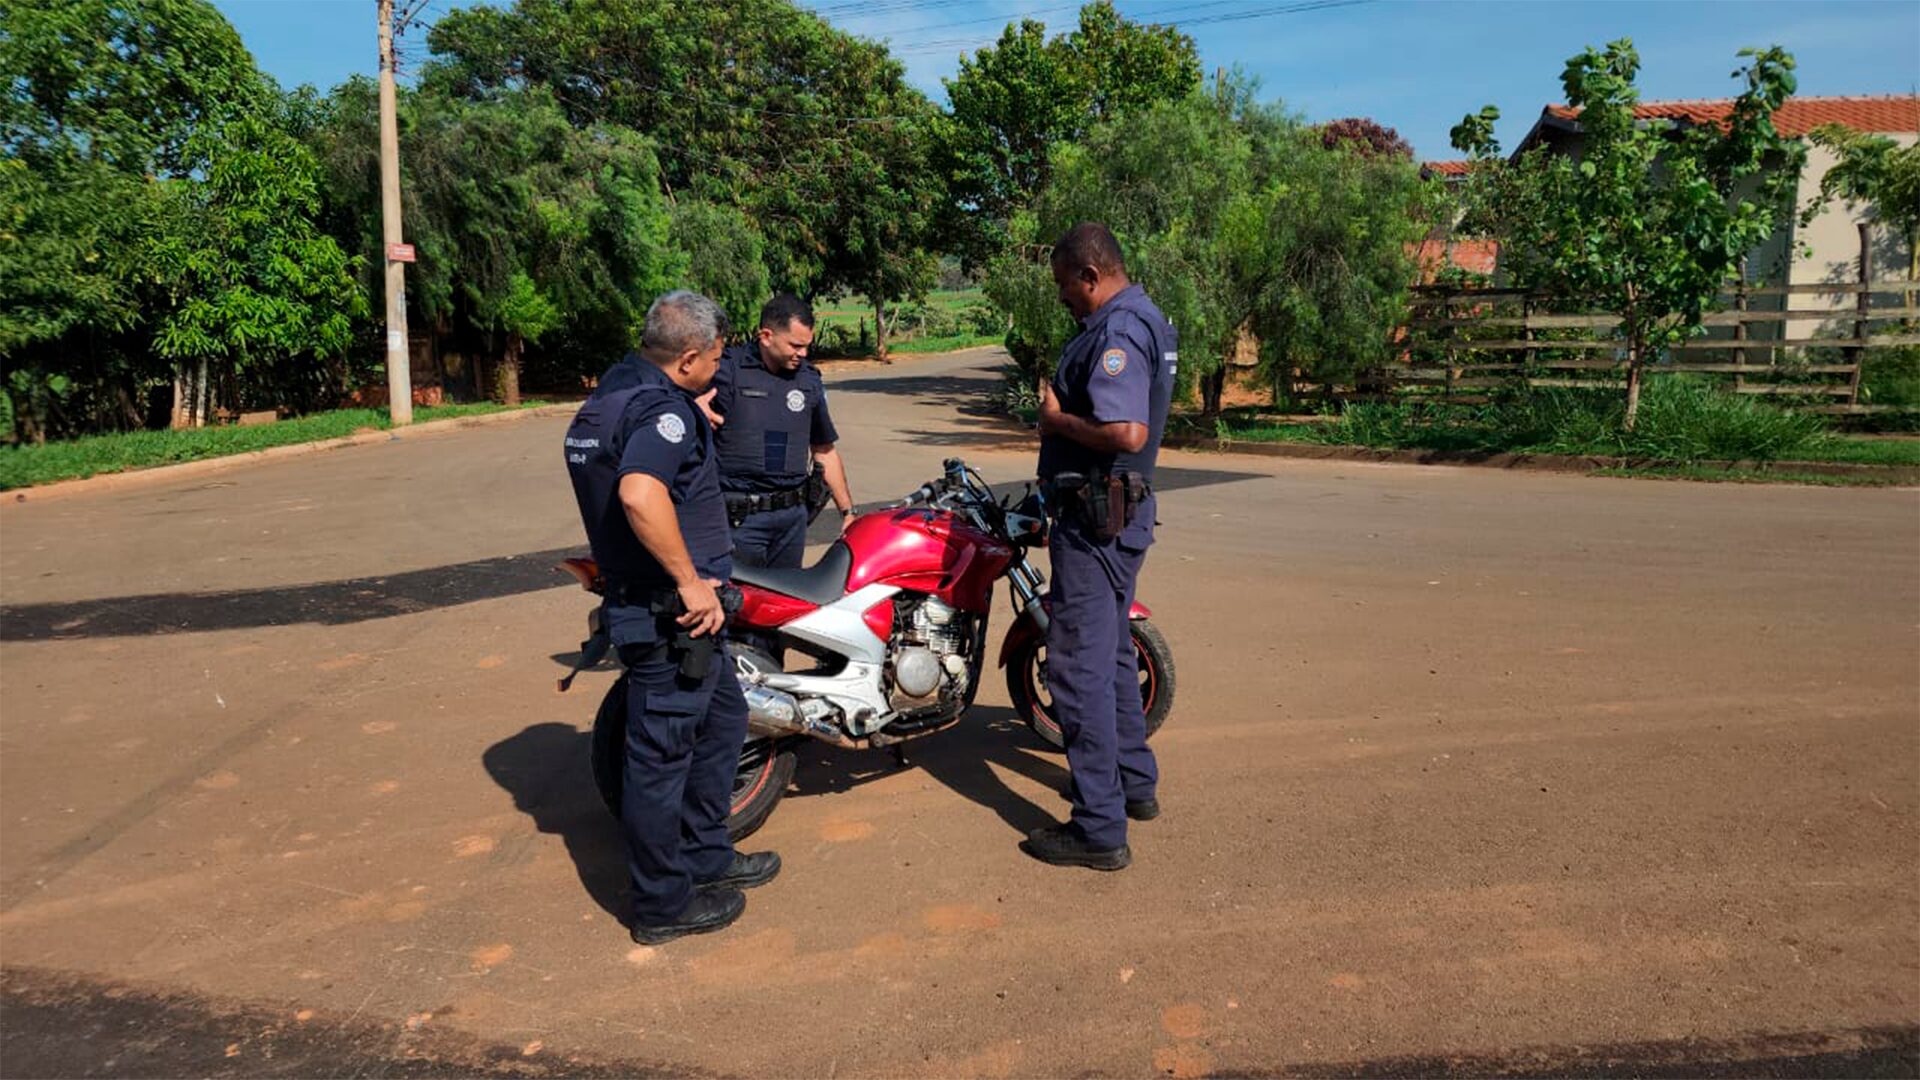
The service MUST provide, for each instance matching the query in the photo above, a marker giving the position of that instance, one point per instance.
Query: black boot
(1062, 845)
(745, 871)
(1137, 809)
(709, 910)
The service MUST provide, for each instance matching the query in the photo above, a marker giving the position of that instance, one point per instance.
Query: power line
(864, 8)
(1144, 16)
(925, 47)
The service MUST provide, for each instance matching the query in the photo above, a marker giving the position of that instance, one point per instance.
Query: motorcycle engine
(930, 648)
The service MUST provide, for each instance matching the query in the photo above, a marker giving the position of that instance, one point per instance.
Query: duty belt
(1068, 486)
(1104, 503)
(741, 503)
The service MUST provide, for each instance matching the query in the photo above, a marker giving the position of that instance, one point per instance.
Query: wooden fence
(1474, 339)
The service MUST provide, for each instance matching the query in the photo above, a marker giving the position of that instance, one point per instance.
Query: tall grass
(1682, 419)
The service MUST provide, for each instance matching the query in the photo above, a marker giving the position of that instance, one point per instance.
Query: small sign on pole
(399, 252)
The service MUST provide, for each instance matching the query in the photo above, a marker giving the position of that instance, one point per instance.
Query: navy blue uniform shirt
(639, 421)
(772, 420)
(1119, 368)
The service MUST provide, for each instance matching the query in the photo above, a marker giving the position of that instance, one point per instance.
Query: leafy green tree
(73, 247)
(106, 128)
(1237, 221)
(528, 229)
(1015, 100)
(124, 82)
(1648, 222)
(887, 214)
(253, 284)
(1323, 247)
(812, 133)
(725, 257)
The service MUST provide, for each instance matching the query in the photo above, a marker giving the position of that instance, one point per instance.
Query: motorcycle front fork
(1026, 580)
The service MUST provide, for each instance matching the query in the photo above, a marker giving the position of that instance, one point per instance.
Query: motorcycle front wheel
(758, 783)
(1027, 683)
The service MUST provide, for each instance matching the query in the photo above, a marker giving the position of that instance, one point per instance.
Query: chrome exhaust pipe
(773, 713)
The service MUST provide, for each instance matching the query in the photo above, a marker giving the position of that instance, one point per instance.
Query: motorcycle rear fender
(1023, 631)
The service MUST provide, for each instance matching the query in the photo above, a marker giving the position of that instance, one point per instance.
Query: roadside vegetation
(1682, 420)
(24, 466)
(182, 239)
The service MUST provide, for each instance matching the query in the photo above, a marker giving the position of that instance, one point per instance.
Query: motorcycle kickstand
(900, 756)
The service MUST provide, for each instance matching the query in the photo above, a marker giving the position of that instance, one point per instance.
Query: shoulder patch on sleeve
(1113, 361)
(670, 427)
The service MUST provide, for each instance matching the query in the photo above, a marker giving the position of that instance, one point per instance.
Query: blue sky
(1415, 65)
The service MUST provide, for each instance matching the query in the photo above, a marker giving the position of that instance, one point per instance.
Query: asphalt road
(1470, 772)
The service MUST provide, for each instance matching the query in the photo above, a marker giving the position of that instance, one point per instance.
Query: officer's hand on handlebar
(705, 615)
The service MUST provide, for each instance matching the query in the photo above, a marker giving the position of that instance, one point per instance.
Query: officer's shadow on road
(967, 758)
(545, 768)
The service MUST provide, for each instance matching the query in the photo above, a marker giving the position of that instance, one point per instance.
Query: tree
(252, 282)
(73, 247)
(528, 229)
(725, 257)
(1323, 248)
(1875, 171)
(1650, 221)
(769, 110)
(1015, 100)
(1366, 137)
(106, 125)
(1237, 221)
(123, 82)
(886, 213)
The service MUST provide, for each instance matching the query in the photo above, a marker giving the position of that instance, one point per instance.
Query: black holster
(816, 491)
(694, 655)
(1103, 503)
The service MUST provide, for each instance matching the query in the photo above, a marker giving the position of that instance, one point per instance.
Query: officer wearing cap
(1101, 418)
(641, 457)
(770, 408)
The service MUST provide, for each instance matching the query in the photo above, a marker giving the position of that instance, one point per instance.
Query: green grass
(946, 343)
(1681, 421)
(838, 325)
(24, 466)
(1867, 451)
(1712, 475)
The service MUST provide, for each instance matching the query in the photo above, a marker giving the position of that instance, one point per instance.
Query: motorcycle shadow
(545, 768)
(962, 758)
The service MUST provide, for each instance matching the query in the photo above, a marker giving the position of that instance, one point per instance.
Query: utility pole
(399, 379)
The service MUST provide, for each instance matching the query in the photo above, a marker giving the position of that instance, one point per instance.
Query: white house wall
(1834, 239)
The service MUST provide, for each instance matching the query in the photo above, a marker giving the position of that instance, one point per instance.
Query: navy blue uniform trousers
(1094, 678)
(683, 749)
(775, 538)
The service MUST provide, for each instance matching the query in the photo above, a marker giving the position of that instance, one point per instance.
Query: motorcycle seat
(822, 583)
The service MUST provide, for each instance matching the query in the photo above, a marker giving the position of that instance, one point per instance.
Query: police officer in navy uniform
(641, 457)
(770, 407)
(1101, 418)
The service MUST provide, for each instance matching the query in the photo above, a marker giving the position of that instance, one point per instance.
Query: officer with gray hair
(646, 475)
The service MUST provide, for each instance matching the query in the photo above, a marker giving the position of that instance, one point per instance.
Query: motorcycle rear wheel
(758, 784)
(1027, 683)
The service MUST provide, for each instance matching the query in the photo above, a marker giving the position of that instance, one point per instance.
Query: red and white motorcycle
(892, 624)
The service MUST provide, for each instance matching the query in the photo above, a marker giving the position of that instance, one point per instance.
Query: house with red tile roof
(1826, 249)
(1441, 248)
